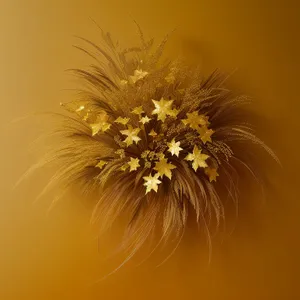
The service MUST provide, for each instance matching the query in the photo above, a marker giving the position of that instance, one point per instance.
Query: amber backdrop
(55, 256)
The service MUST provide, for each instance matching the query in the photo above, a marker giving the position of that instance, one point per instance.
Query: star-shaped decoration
(164, 168)
(152, 133)
(101, 164)
(174, 147)
(205, 134)
(132, 135)
(122, 121)
(101, 123)
(194, 120)
(163, 108)
(100, 126)
(211, 173)
(145, 120)
(138, 110)
(198, 159)
(138, 75)
(151, 182)
(134, 163)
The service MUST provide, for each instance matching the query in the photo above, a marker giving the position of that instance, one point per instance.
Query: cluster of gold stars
(200, 124)
(160, 166)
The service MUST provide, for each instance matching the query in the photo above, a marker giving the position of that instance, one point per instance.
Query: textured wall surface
(55, 255)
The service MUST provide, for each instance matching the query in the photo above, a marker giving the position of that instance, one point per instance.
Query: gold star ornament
(138, 75)
(101, 164)
(138, 110)
(122, 121)
(163, 108)
(174, 147)
(145, 120)
(101, 125)
(133, 164)
(164, 168)
(198, 159)
(152, 133)
(211, 173)
(151, 182)
(132, 135)
(205, 134)
(194, 120)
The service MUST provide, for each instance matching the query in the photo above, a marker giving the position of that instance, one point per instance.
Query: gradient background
(55, 255)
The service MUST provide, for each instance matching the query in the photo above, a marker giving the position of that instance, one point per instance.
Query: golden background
(54, 255)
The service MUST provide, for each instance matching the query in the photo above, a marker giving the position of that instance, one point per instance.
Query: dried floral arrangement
(153, 139)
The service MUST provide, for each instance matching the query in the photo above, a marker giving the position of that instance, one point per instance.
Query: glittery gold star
(152, 133)
(145, 120)
(174, 147)
(138, 75)
(131, 135)
(194, 120)
(122, 121)
(211, 173)
(197, 158)
(151, 182)
(101, 164)
(164, 168)
(205, 134)
(100, 126)
(138, 110)
(133, 164)
(163, 108)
